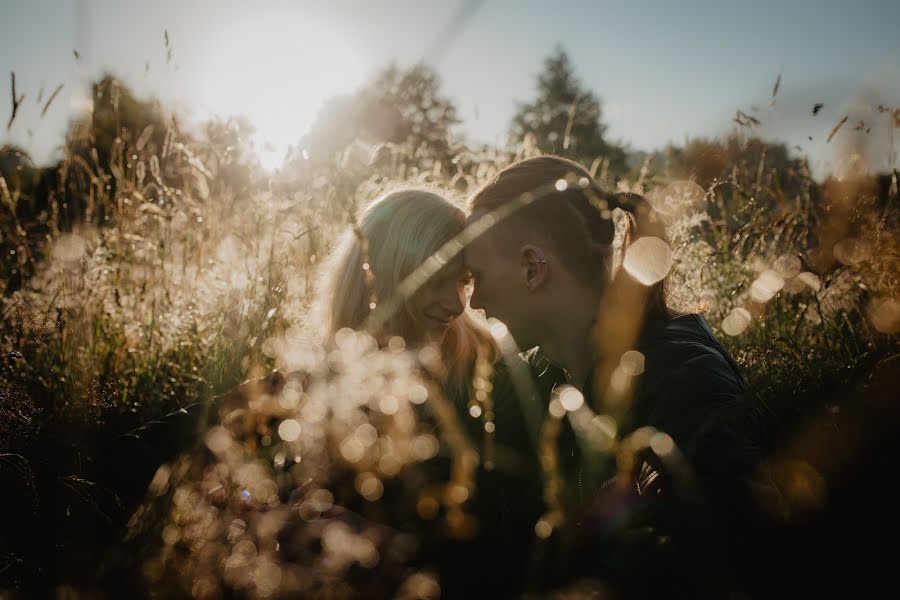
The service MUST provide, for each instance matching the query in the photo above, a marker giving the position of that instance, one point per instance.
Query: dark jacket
(692, 390)
(508, 498)
(693, 507)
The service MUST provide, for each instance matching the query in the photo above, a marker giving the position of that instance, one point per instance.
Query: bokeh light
(736, 322)
(571, 398)
(766, 286)
(648, 260)
(885, 315)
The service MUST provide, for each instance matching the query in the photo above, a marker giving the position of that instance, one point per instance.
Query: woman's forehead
(450, 269)
(479, 250)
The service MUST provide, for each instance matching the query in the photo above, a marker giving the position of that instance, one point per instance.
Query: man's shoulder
(545, 374)
(685, 347)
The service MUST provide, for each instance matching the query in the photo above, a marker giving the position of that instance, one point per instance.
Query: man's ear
(534, 265)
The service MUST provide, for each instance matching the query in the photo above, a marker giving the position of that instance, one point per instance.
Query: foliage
(566, 118)
(400, 107)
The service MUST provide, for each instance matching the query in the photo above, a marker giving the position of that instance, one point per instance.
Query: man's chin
(523, 340)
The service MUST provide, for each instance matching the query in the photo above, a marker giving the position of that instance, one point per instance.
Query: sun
(276, 70)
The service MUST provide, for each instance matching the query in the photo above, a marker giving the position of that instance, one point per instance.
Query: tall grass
(165, 268)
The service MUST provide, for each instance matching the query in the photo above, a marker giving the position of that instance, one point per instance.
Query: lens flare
(811, 280)
(648, 260)
(632, 362)
(787, 265)
(736, 322)
(885, 315)
(289, 430)
(852, 251)
(766, 286)
(571, 399)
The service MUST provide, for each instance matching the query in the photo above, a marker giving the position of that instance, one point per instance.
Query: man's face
(499, 285)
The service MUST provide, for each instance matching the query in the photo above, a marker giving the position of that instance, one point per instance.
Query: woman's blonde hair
(392, 236)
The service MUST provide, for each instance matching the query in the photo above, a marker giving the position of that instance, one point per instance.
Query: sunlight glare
(276, 70)
(678, 200)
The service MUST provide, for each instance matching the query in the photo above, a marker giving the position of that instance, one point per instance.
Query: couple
(538, 248)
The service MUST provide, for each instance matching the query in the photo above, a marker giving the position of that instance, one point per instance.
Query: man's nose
(475, 300)
(454, 301)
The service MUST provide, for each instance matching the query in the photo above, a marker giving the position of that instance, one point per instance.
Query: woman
(392, 275)
(402, 237)
(392, 238)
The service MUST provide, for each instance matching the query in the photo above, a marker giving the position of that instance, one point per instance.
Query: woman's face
(439, 302)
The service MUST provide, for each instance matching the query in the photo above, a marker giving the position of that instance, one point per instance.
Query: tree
(17, 169)
(399, 106)
(706, 160)
(565, 117)
(117, 117)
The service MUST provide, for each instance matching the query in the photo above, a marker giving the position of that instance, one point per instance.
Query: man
(544, 268)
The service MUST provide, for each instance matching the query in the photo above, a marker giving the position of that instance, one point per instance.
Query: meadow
(157, 265)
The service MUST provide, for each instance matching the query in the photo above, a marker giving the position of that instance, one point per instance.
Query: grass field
(152, 268)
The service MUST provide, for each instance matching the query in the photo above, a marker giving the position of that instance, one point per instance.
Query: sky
(665, 71)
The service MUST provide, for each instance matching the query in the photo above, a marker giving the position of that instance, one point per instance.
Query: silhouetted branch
(51, 99)
(15, 101)
(837, 126)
